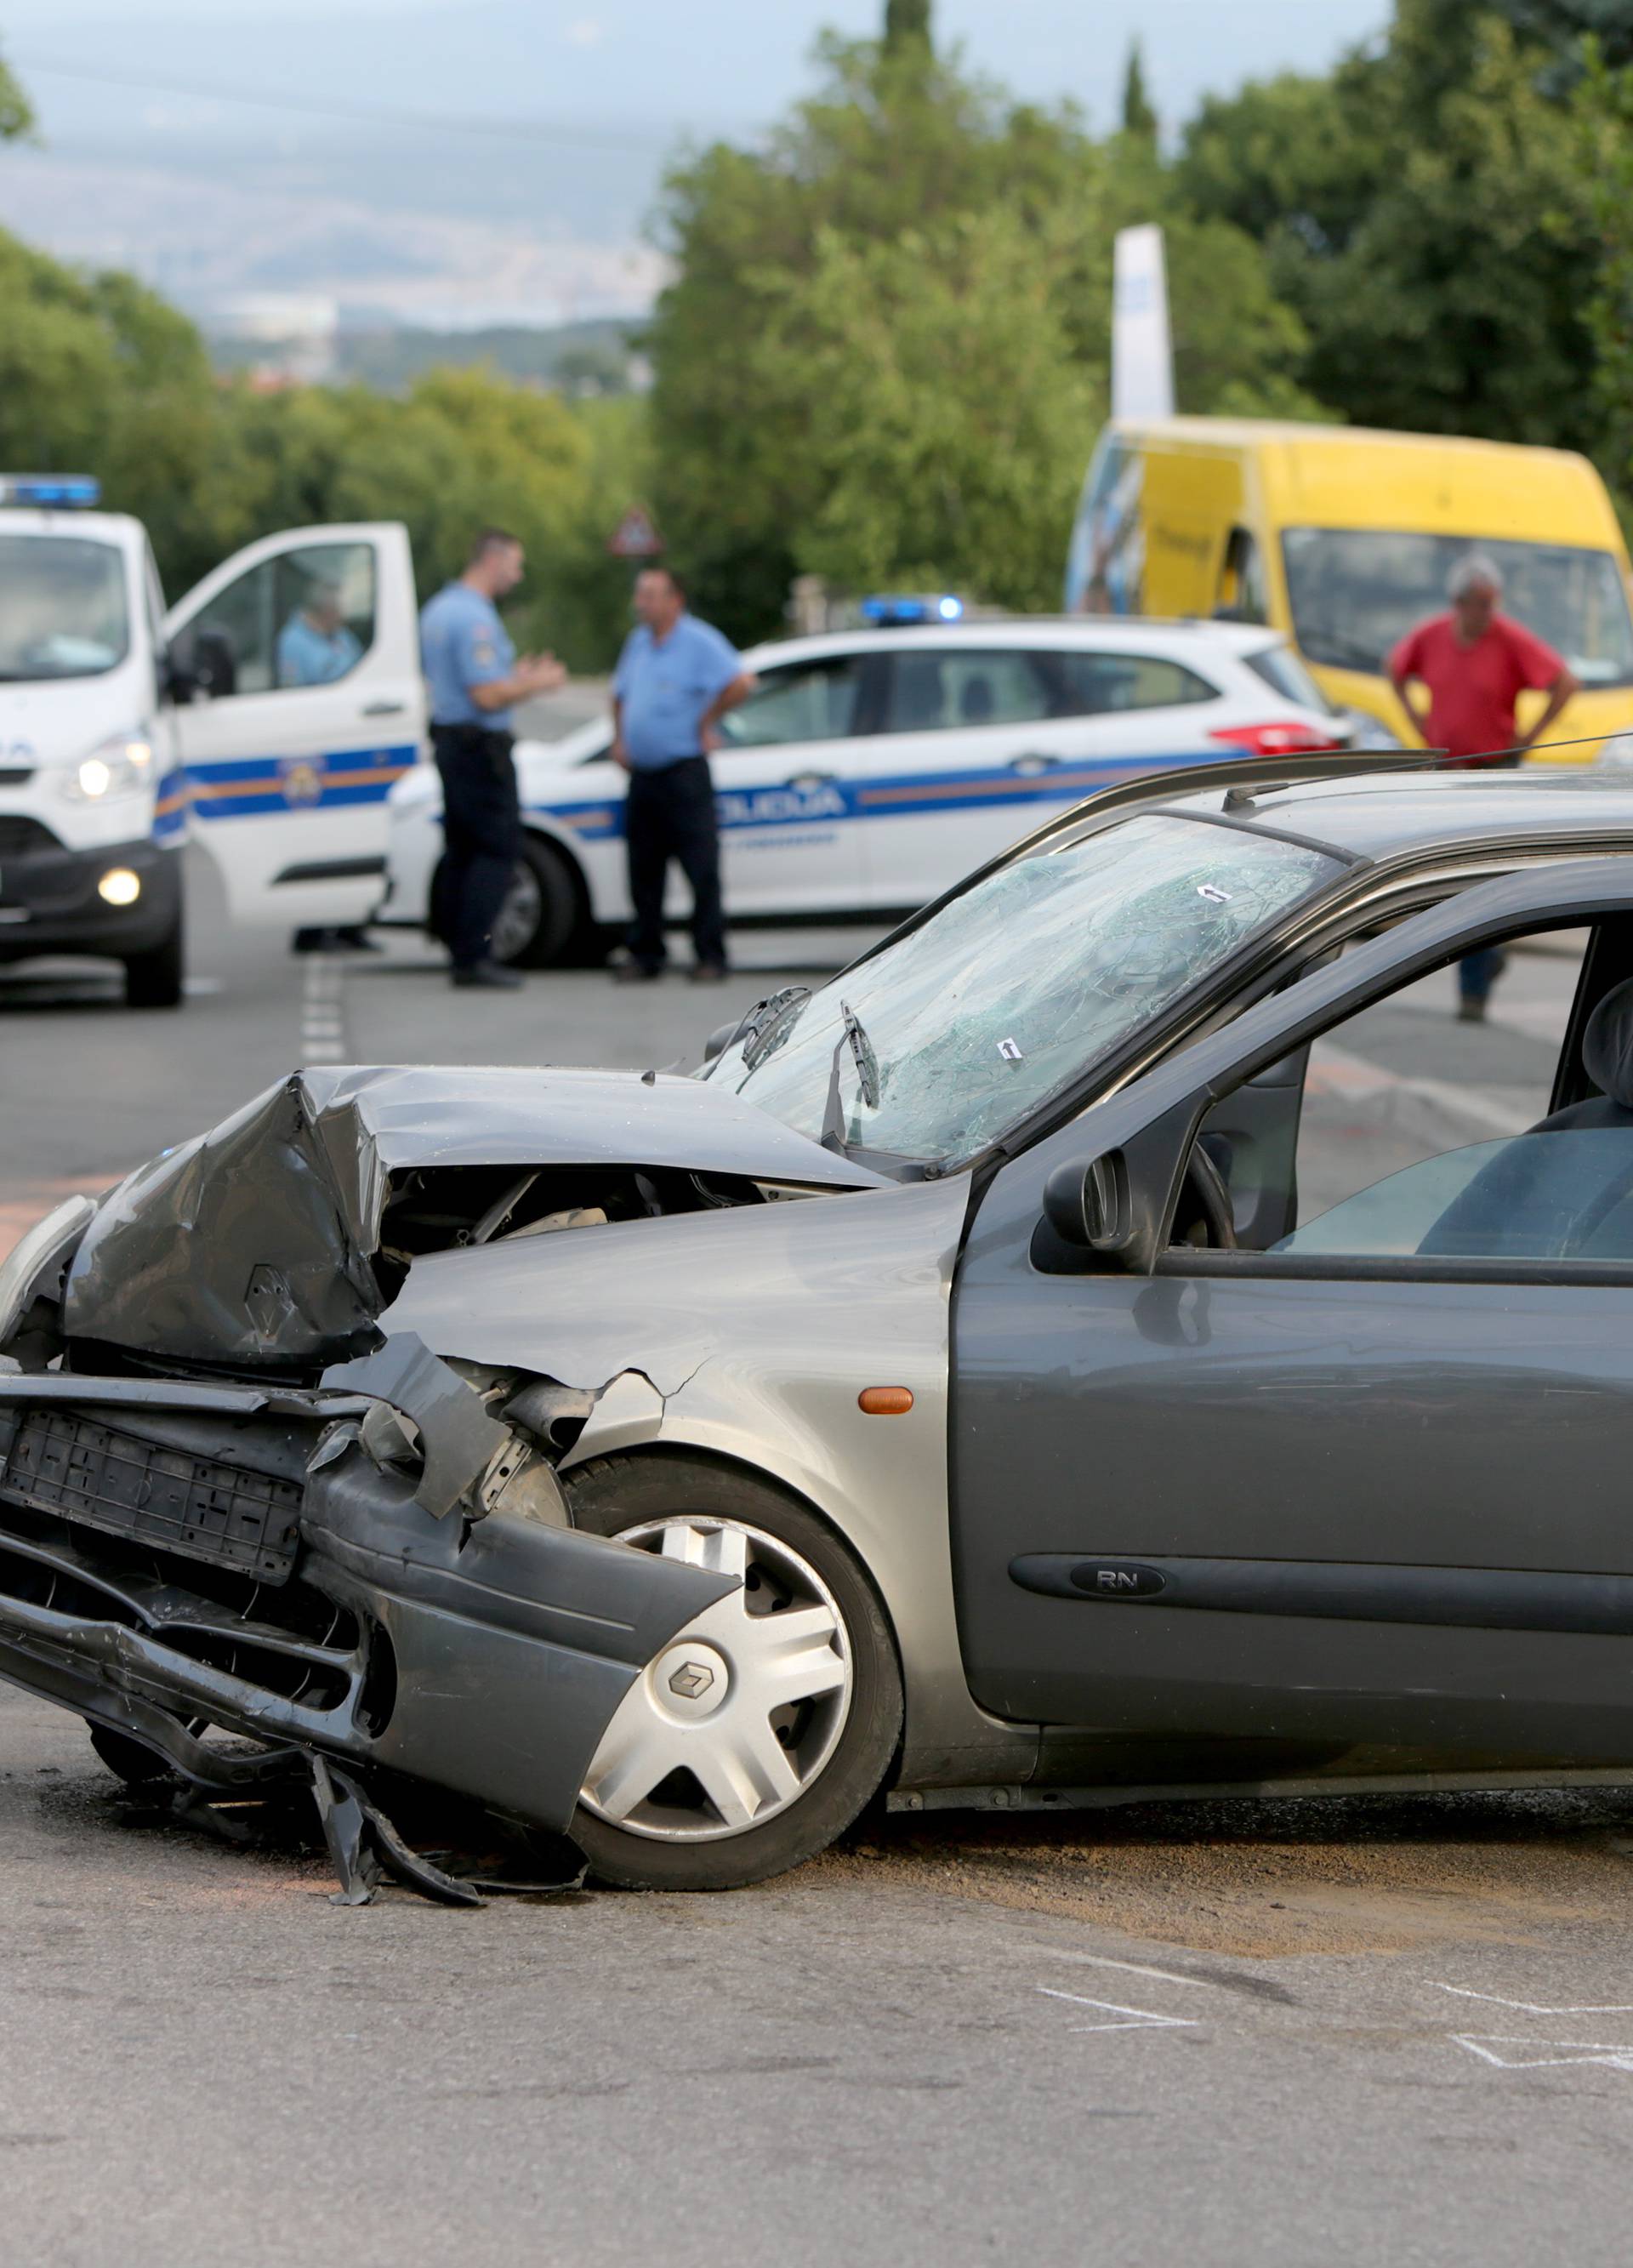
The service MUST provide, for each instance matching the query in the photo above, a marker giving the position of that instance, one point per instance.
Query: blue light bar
(887, 611)
(51, 491)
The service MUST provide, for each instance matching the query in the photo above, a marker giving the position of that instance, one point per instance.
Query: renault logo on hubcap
(691, 1679)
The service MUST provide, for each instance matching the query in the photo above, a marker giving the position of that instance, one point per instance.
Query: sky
(467, 160)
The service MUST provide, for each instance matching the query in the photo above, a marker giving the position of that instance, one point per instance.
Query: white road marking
(1488, 2047)
(322, 1011)
(1137, 1968)
(1535, 2007)
(1135, 2020)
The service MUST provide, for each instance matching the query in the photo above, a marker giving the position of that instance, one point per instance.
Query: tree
(1603, 110)
(1138, 118)
(906, 24)
(17, 118)
(1424, 212)
(842, 262)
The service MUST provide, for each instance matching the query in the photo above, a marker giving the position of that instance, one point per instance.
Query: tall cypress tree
(906, 22)
(1138, 117)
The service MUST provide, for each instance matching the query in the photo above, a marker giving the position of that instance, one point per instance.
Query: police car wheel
(548, 909)
(153, 979)
(765, 1726)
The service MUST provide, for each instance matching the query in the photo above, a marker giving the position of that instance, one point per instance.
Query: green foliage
(1603, 114)
(1424, 213)
(17, 118)
(884, 355)
(1138, 117)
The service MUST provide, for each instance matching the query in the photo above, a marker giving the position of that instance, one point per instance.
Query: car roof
(1064, 633)
(1384, 814)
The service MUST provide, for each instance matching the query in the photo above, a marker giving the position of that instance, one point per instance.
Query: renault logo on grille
(691, 1679)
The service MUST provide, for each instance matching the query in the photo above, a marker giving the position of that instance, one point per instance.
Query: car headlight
(117, 767)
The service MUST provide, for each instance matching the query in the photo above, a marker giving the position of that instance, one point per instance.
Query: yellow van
(1343, 540)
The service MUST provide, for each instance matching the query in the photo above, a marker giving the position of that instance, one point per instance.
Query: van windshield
(63, 608)
(1355, 591)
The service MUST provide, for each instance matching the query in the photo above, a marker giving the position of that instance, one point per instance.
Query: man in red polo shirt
(1475, 662)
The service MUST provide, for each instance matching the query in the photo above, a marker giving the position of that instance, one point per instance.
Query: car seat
(977, 705)
(1608, 1059)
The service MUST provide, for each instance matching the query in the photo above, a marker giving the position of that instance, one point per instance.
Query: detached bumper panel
(486, 1657)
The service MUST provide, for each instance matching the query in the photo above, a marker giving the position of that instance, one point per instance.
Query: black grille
(63, 1461)
(18, 836)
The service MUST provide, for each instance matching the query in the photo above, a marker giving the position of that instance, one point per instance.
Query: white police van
(872, 767)
(268, 713)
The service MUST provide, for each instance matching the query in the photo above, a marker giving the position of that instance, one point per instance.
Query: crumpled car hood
(254, 1243)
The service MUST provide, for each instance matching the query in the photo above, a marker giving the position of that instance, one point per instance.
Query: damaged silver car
(677, 1463)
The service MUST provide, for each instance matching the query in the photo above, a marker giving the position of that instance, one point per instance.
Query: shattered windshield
(1015, 987)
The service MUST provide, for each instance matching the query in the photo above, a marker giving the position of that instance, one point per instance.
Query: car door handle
(1029, 767)
(383, 709)
(809, 779)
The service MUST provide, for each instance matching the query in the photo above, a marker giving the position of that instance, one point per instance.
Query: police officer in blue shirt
(474, 677)
(676, 679)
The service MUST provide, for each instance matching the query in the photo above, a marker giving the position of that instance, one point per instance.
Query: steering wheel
(1206, 1183)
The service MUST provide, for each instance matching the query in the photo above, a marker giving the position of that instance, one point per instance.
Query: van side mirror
(213, 666)
(1087, 1204)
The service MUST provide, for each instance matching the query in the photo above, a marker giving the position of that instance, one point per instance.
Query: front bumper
(174, 1557)
(48, 900)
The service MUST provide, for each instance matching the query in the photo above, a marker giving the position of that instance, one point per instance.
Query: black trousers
(482, 823)
(670, 814)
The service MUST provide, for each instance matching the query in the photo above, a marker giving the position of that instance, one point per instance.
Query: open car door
(303, 653)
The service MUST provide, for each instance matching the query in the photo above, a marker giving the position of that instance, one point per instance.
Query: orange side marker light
(885, 1401)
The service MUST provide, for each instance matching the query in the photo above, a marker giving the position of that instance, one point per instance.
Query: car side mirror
(720, 1039)
(213, 668)
(1087, 1204)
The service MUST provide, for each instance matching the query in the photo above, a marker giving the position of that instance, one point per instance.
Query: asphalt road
(1233, 2034)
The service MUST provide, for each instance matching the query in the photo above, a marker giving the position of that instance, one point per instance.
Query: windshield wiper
(851, 1036)
(765, 1020)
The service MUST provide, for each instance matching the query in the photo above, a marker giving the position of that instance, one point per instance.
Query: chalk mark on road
(1535, 2007)
(1134, 2020)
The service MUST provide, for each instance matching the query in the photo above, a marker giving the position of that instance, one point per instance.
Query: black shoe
(636, 972)
(708, 972)
(489, 975)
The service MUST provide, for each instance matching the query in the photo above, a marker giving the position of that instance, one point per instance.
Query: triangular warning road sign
(636, 536)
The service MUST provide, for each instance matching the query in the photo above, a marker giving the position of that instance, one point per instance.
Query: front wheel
(760, 1732)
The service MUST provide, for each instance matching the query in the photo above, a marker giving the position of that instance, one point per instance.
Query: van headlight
(117, 767)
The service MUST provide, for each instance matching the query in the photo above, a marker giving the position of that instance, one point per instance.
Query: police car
(873, 767)
(269, 712)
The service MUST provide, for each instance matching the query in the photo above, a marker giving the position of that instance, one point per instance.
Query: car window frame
(275, 565)
(866, 705)
(1209, 690)
(1606, 960)
(1033, 656)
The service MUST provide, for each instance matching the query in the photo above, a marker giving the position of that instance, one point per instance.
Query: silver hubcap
(519, 918)
(736, 1718)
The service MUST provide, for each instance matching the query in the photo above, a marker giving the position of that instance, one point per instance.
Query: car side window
(812, 701)
(1418, 1126)
(302, 619)
(1094, 684)
(961, 688)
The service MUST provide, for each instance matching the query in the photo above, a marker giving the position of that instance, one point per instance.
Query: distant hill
(597, 357)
